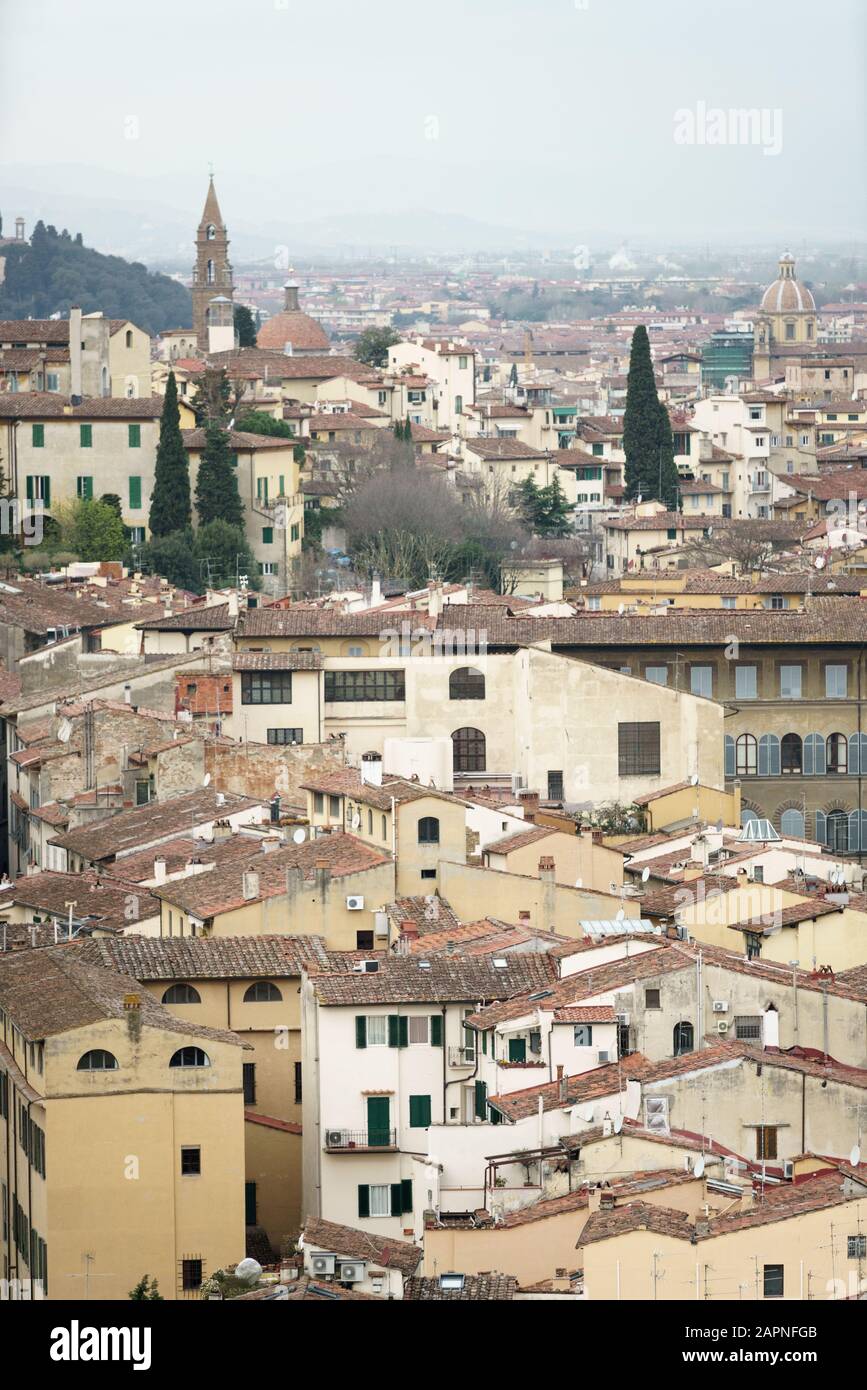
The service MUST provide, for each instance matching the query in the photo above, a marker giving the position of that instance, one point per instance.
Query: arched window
(746, 750)
(182, 994)
(837, 831)
(792, 824)
(211, 232)
(190, 1057)
(857, 752)
(683, 1038)
(769, 756)
(467, 684)
(837, 753)
(814, 755)
(468, 747)
(262, 992)
(129, 337)
(792, 753)
(97, 1060)
(429, 830)
(747, 817)
(729, 756)
(210, 272)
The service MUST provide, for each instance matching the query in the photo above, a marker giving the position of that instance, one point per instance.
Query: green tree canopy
(650, 470)
(170, 500)
(260, 422)
(245, 325)
(372, 346)
(217, 496)
(223, 554)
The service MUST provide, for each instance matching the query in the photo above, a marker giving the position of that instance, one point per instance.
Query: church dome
(293, 326)
(786, 295)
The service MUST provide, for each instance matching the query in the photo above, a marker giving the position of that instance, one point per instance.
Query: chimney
(561, 1083)
(232, 603)
(290, 297)
(546, 868)
(375, 592)
(530, 803)
(75, 354)
(160, 869)
(408, 931)
(435, 598)
(127, 693)
(323, 875)
(371, 769)
(771, 1028)
(270, 842)
(607, 1201)
(250, 885)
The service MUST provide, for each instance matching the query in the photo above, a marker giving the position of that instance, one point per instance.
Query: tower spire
(212, 273)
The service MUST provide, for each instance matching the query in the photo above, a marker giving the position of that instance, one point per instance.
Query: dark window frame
(638, 748)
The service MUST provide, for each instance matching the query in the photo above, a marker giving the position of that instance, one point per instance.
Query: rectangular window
(856, 1247)
(729, 602)
(555, 786)
(249, 1083)
(377, 1030)
(85, 436)
(285, 735)
(334, 805)
(358, 686)
(419, 1112)
(583, 1035)
(746, 683)
(267, 535)
(701, 680)
(191, 1162)
(318, 803)
(364, 941)
(84, 488)
(790, 682)
(134, 436)
(766, 1141)
(379, 1200)
(418, 1029)
(836, 678)
(191, 1274)
(38, 436)
(134, 493)
(773, 1281)
(638, 749)
(266, 687)
(651, 999)
(748, 1027)
(38, 490)
(298, 1086)
(295, 531)
(657, 674)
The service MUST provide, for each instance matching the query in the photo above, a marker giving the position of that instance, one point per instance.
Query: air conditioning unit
(365, 967)
(334, 1139)
(788, 1169)
(720, 1006)
(323, 1264)
(354, 904)
(722, 1026)
(351, 1271)
(623, 1019)
(603, 1056)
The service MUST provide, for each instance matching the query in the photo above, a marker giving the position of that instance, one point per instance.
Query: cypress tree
(641, 422)
(666, 482)
(170, 500)
(217, 496)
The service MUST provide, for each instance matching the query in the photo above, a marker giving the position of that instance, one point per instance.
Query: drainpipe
(860, 769)
(445, 1060)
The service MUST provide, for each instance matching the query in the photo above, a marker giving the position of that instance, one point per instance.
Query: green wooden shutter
(46, 491)
(134, 492)
(267, 535)
(436, 1030)
(360, 1030)
(134, 436)
(393, 1030)
(403, 1035)
(86, 436)
(406, 1194)
(28, 487)
(38, 437)
(282, 486)
(481, 1100)
(395, 1199)
(363, 1199)
(485, 1043)
(419, 1112)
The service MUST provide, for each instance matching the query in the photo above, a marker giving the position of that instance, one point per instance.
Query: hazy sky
(556, 116)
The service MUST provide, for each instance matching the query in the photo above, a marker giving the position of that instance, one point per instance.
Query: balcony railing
(344, 1140)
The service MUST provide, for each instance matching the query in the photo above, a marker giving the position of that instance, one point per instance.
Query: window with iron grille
(638, 749)
(266, 687)
(555, 786)
(355, 686)
(469, 750)
(191, 1162)
(191, 1274)
(856, 1247)
(748, 1026)
(298, 1086)
(249, 1083)
(285, 735)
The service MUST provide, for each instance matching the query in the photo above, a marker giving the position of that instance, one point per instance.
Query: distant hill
(54, 270)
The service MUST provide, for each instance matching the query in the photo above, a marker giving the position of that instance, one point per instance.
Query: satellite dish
(299, 836)
(645, 875)
(621, 916)
(693, 781)
(855, 1156)
(618, 1123)
(64, 730)
(579, 883)
(698, 1167)
(638, 500)
(709, 532)
(249, 1270)
(356, 821)
(206, 780)
(820, 562)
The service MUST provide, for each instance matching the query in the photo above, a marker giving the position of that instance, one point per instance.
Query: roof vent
(757, 830)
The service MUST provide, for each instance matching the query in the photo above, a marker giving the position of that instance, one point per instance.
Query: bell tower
(212, 273)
